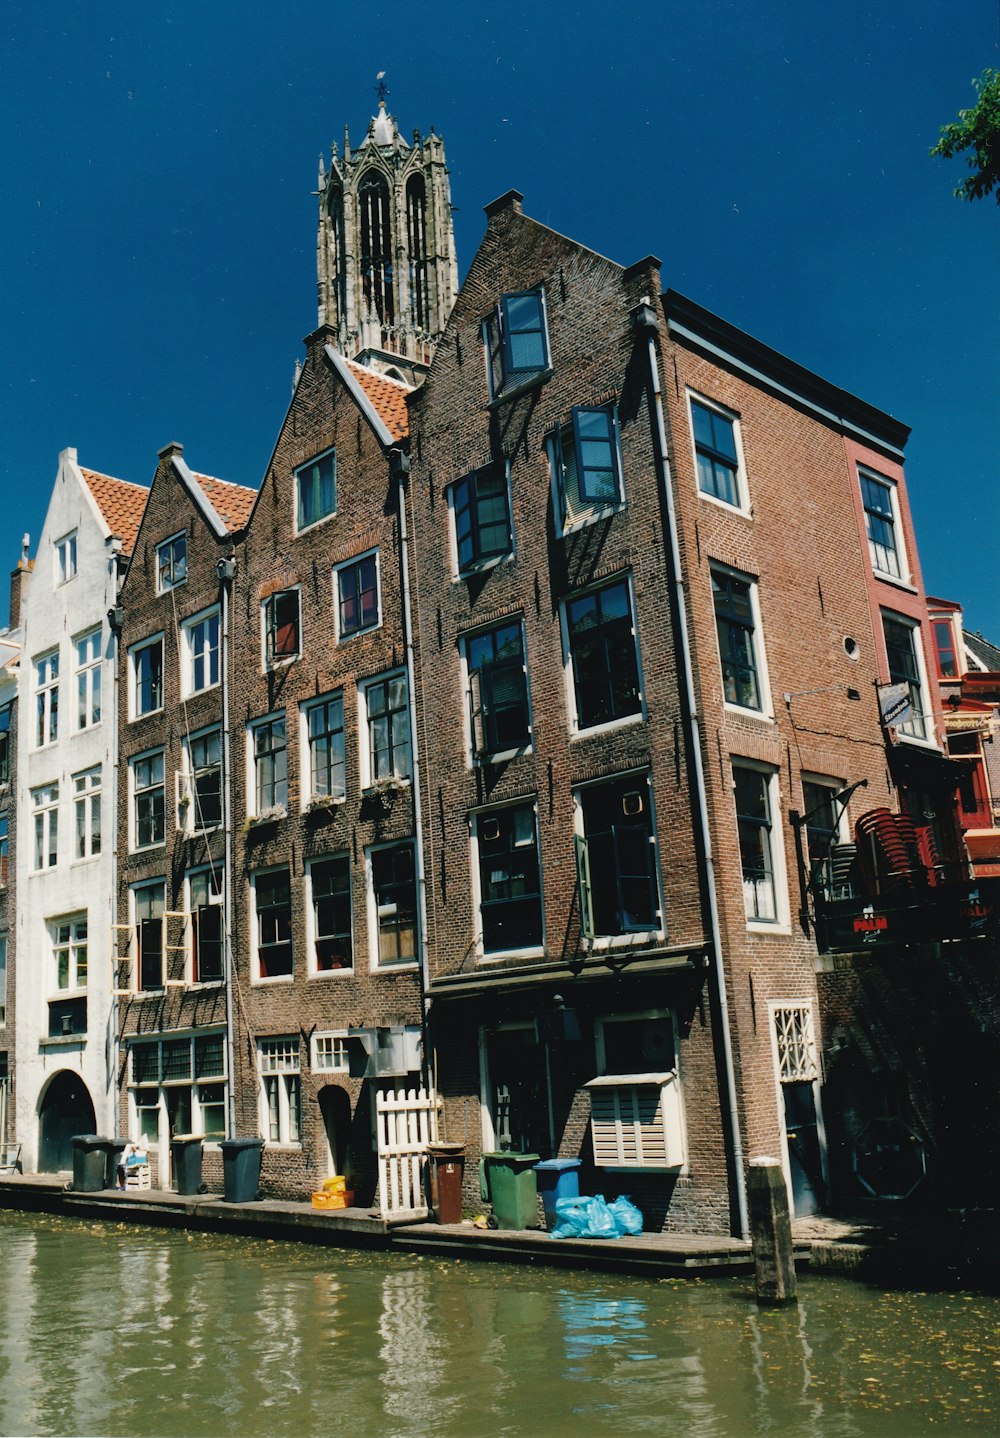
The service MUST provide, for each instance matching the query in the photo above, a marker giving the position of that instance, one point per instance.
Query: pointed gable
(120, 502)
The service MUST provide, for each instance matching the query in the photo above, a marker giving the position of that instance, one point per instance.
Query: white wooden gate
(405, 1125)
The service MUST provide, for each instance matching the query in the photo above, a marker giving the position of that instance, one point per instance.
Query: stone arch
(335, 1110)
(65, 1108)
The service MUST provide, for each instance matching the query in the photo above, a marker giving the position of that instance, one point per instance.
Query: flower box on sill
(325, 803)
(267, 816)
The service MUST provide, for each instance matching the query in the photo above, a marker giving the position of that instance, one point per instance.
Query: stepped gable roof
(388, 397)
(121, 503)
(231, 502)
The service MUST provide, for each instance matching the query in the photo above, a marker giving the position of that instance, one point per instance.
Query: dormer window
(517, 340)
(171, 563)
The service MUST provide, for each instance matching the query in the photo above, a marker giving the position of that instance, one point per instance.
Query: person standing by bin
(128, 1158)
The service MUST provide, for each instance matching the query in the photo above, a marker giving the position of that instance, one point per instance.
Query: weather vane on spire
(381, 88)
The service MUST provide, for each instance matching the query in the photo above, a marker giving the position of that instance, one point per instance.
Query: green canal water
(148, 1333)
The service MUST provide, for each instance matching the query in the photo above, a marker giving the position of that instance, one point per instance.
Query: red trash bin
(448, 1163)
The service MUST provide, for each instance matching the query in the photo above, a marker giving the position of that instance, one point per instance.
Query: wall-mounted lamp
(116, 618)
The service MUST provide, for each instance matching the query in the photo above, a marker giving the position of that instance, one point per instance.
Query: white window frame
(194, 1083)
(45, 671)
(312, 932)
(616, 1098)
(300, 470)
(742, 505)
(368, 778)
(89, 675)
(276, 1061)
(133, 799)
(342, 567)
(45, 814)
(269, 662)
(66, 552)
(308, 794)
(87, 790)
(475, 817)
(279, 808)
(73, 943)
(927, 740)
(374, 933)
(780, 924)
(576, 729)
(766, 710)
(555, 444)
(256, 977)
(190, 657)
(216, 899)
(134, 653)
(329, 1044)
(801, 1067)
(165, 584)
(892, 489)
(642, 778)
(186, 797)
(474, 755)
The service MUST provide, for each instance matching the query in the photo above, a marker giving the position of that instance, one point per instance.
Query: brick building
(10, 653)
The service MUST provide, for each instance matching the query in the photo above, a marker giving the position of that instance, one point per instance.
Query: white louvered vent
(636, 1121)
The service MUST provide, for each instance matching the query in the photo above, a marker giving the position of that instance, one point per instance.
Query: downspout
(226, 569)
(644, 320)
(400, 467)
(113, 1049)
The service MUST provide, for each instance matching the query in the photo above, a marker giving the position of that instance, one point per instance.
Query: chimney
(18, 580)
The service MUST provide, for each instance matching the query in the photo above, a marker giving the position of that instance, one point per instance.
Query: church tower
(386, 263)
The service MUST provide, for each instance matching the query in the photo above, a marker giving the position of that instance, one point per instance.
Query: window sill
(604, 943)
(357, 633)
(917, 743)
(385, 786)
(523, 387)
(63, 1041)
(502, 756)
(169, 588)
(263, 982)
(405, 966)
(536, 952)
(194, 693)
(158, 847)
(741, 712)
(331, 974)
(314, 523)
(607, 511)
(146, 714)
(769, 926)
(596, 730)
(895, 581)
(282, 663)
(322, 804)
(483, 566)
(725, 506)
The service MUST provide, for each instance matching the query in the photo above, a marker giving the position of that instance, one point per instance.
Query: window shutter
(477, 711)
(583, 887)
(637, 1124)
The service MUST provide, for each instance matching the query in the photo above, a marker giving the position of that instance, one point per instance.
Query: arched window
(416, 235)
(336, 212)
(376, 246)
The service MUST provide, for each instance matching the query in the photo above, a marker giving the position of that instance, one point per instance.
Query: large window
(822, 820)
(510, 890)
(736, 624)
(47, 698)
(716, 453)
(273, 909)
(66, 558)
(171, 563)
(199, 793)
(205, 908)
(356, 585)
(146, 666)
(280, 622)
(637, 1117)
(325, 736)
(87, 813)
(517, 340)
(901, 640)
(498, 690)
(270, 763)
(148, 800)
(316, 489)
(586, 455)
(148, 904)
(69, 953)
(88, 679)
(178, 1085)
(45, 807)
(280, 1089)
(882, 523)
(482, 516)
(6, 711)
(755, 804)
(388, 726)
(600, 630)
(616, 859)
(330, 887)
(394, 896)
(201, 652)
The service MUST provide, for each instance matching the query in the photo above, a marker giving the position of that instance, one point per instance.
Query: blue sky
(158, 245)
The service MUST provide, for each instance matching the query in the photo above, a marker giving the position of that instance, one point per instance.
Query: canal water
(148, 1333)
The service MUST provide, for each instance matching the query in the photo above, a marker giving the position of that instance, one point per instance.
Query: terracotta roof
(231, 502)
(121, 503)
(388, 397)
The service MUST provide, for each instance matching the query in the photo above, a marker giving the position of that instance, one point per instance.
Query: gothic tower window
(416, 235)
(376, 246)
(339, 257)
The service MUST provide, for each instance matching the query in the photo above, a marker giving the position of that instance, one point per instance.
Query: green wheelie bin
(509, 1182)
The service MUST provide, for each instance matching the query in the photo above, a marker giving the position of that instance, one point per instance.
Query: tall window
(270, 760)
(509, 879)
(879, 498)
(201, 643)
(325, 731)
(316, 489)
(171, 563)
(200, 793)
(3, 982)
(602, 647)
(498, 689)
(205, 901)
(517, 340)
(281, 1089)
(148, 801)
(416, 236)
(69, 953)
(587, 459)
(330, 884)
(736, 624)
(273, 904)
(147, 677)
(616, 858)
(904, 668)
(482, 516)
(944, 646)
(388, 722)
(87, 813)
(357, 595)
(377, 273)
(4, 824)
(6, 711)
(45, 805)
(88, 680)
(66, 558)
(716, 453)
(280, 615)
(394, 891)
(148, 903)
(181, 1082)
(822, 823)
(755, 825)
(47, 698)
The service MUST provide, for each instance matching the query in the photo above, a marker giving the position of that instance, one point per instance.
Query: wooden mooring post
(771, 1233)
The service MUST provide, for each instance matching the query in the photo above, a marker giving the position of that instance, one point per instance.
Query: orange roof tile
(121, 503)
(388, 397)
(231, 502)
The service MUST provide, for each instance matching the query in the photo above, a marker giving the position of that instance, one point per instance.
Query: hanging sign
(894, 702)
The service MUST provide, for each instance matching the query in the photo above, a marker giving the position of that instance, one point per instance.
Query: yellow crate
(333, 1200)
(336, 1183)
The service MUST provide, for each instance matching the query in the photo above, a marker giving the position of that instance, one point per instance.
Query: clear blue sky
(157, 251)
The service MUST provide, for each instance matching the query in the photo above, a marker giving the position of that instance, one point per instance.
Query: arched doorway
(65, 1109)
(335, 1107)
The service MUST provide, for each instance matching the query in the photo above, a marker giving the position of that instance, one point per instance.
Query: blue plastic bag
(626, 1215)
(584, 1218)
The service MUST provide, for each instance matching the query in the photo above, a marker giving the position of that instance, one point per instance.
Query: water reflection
(149, 1333)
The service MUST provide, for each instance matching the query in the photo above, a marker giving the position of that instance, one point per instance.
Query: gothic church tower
(386, 263)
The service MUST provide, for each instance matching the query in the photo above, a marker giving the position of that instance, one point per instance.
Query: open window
(636, 1107)
(280, 616)
(616, 859)
(517, 340)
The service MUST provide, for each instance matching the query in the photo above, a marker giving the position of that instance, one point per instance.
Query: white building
(65, 1044)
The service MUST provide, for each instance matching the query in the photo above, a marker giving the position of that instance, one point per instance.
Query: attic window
(517, 340)
(171, 563)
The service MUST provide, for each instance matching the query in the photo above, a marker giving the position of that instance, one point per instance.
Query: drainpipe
(226, 569)
(400, 467)
(644, 321)
(115, 617)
